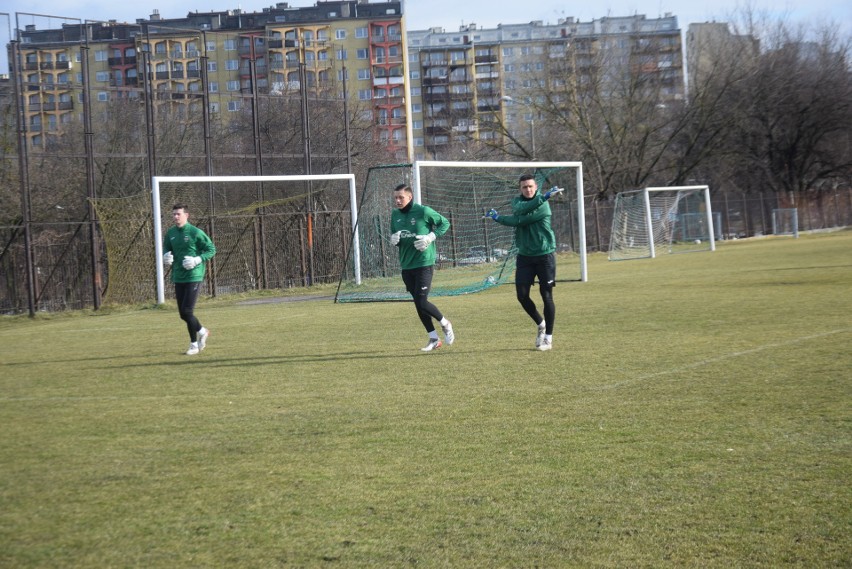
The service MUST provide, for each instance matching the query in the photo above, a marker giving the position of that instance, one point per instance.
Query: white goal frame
(785, 221)
(581, 213)
(650, 227)
(158, 223)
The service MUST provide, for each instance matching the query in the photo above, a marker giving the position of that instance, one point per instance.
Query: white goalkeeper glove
(422, 242)
(395, 238)
(190, 263)
(168, 259)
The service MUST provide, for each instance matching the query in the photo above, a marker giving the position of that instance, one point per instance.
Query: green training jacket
(531, 220)
(188, 241)
(418, 220)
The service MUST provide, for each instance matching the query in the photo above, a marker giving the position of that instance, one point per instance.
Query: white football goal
(263, 235)
(675, 219)
(785, 221)
(475, 253)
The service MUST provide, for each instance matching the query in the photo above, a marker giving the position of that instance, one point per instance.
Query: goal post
(678, 219)
(476, 253)
(158, 182)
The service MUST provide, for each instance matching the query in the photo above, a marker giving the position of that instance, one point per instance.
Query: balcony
(390, 121)
(389, 101)
(381, 81)
(387, 60)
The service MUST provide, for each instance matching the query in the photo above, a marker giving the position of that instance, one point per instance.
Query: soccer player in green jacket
(414, 228)
(536, 245)
(191, 248)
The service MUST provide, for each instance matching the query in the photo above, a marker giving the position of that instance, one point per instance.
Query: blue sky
(448, 14)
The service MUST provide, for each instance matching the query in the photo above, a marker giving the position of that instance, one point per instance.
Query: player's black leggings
(523, 291)
(186, 295)
(543, 267)
(418, 282)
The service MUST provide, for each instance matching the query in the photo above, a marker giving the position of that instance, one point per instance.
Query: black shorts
(418, 281)
(541, 266)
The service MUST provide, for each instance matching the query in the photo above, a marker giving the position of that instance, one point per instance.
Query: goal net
(785, 221)
(269, 231)
(675, 219)
(476, 253)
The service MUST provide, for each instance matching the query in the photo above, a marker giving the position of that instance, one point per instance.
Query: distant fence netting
(264, 238)
(127, 229)
(475, 254)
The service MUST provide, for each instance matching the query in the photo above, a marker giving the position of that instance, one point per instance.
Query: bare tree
(794, 133)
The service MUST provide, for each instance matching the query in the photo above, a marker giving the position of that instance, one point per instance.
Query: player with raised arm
(536, 245)
(191, 247)
(414, 228)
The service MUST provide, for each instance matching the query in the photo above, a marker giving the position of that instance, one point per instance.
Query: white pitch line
(721, 358)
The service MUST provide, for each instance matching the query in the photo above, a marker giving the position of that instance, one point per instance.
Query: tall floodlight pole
(208, 154)
(23, 171)
(306, 141)
(531, 110)
(88, 138)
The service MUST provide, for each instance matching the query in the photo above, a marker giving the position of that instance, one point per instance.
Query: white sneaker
(449, 335)
(193, 349)
(203, 334)
(432, 345)
(545, 344)
(539, 337)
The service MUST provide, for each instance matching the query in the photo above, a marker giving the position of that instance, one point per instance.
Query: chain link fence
(299, 250)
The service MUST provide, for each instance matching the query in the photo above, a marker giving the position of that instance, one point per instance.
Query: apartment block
(464, 83)
(423, 91)
(710, 43)
(227, 56)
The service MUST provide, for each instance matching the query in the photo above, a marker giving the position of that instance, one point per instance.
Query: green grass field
(694, 412)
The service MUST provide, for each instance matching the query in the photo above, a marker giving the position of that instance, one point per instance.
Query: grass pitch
(694, 412)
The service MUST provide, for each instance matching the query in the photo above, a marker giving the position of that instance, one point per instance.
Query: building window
(508, 51)
(102, 76)
(213, 86)
(365, 94)
(233, 86)
(233, 106)
(341, 54)
(211, 46)
(103, 96)
(417, 125)
(230, 45)
(416, 108)
(362, 32)
(363, 74)
(340, 34)
(232, 64)
(101, 55)
(211, 66)
(361, 53)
